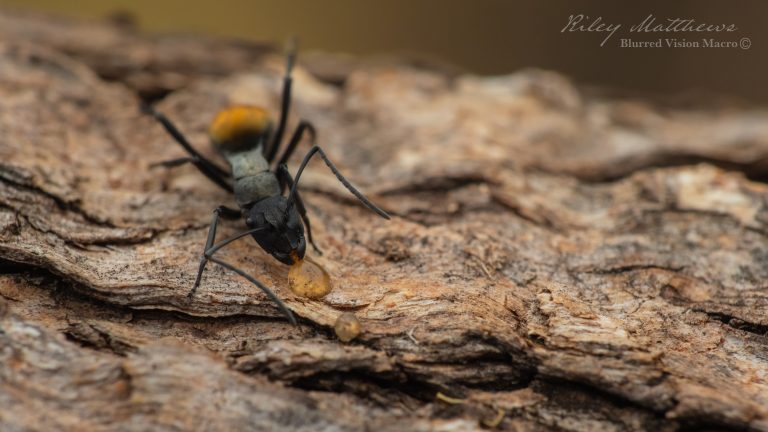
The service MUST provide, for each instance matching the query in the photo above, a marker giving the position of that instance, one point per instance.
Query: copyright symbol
(745, 43)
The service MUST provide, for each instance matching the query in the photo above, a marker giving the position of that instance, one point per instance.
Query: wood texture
(561, 260)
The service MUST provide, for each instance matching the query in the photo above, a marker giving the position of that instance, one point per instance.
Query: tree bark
(555, 260)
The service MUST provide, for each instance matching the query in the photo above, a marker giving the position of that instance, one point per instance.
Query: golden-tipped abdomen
(240, 127)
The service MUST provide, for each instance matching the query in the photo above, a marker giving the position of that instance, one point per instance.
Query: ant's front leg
(211, 248)
(226, 213)
(284, 176)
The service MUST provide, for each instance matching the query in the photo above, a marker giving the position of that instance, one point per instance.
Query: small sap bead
(347, 327)
(308, 279)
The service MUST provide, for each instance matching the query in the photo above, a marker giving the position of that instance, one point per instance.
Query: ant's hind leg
(172, 163)
(285, 103)
(208, 168)
(285, 176)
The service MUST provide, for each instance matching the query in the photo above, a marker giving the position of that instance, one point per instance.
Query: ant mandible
(243, 136)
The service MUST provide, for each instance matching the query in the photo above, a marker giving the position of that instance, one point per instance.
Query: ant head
(282, 233)
(240, 127)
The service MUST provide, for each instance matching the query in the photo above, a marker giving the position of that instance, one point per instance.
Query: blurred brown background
(483, 36)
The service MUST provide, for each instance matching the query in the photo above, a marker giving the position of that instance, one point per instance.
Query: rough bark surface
(555, 260)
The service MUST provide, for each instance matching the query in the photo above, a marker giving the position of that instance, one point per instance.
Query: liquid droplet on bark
(308, 279)
(347, 327)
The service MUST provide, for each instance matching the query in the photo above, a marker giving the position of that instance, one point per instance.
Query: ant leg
(226, 213)
(285, 175)
(171, 163)
(344, 181)
(287, 312)
(229, 213)
(296, 138)
(211, 249)
(215, 248)
(208, 168)
(179, 137)
(285, 103)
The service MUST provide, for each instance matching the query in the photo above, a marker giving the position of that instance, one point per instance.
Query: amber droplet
(347, 327)
(307, 279)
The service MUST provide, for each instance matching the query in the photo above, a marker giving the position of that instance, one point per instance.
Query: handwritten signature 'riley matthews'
(583, 23)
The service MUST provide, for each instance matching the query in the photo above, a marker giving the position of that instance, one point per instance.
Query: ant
(243, 135)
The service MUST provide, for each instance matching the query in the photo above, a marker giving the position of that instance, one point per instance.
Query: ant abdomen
(240, 128)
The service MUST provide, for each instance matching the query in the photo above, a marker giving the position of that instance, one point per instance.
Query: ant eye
(248, 221)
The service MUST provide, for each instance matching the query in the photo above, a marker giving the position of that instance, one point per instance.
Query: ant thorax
(253, 180)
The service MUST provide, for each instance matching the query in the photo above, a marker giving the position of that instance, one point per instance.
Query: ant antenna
(292, 196)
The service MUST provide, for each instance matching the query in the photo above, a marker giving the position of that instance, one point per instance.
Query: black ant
(244, 136)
